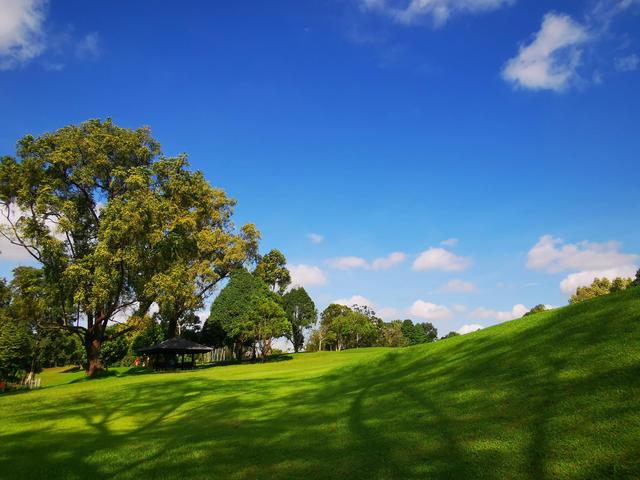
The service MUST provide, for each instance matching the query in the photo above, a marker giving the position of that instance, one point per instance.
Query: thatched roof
(176, 345)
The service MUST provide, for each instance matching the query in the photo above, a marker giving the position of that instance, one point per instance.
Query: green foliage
(246, 314)
(272, 270)
(599, 287)
(392, 335)
(15, 349)
(115, 350)
(418, 333)
(302, 314)
(343, 327)
(538, 308)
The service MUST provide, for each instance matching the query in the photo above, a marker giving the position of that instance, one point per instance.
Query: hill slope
(553, 395)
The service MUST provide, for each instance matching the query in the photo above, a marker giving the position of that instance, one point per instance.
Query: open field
(553, 395)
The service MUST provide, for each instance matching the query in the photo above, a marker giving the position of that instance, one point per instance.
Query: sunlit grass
(553, 395)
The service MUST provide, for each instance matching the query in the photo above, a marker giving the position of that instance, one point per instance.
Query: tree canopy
(115, 225)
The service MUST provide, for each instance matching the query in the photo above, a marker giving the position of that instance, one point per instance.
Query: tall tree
(115, 226)
(230, 310)
(301, 313)
(272, 270)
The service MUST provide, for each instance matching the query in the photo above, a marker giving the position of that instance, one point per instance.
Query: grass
(552, 395)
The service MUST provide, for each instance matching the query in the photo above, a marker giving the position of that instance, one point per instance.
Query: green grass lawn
(553, 395)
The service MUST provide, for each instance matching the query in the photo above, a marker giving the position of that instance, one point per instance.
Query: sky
(450, 161)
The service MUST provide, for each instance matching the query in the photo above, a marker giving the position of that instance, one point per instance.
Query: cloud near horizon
(429, 311)
(501, 316)
(587, 260)
(473, 327)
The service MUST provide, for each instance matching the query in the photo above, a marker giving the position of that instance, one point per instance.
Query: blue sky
(492, 145)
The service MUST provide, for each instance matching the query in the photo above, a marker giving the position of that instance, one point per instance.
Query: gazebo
(164, 354)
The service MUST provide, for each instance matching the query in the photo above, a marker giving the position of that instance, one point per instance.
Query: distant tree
(538, 308)
(314, 342)
(427, 332)
(266, 320)
(620, 284)
(599, 287)
(328, 333)
(451, 334)
(231, 309)
(272, 270)
(636, 282)
(418, 333)
(392, 335)
(301, 313)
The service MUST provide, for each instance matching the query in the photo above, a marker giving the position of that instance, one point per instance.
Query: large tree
(301, 313)
(116, 226)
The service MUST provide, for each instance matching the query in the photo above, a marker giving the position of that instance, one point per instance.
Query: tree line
(343, 327)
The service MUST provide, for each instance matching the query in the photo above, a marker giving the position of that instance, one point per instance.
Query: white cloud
(429, 311)
(88, 47)
(550, 61)
(347, 263)
(450, 242)
(21, 35)
(553, 255)
(440, 259)
(502, 316)
(459, 286)
(355, 300)
(315, 238)
(463, 330)
(388, 313)
(569, 285)
(457, 308)
(437, 11)
(389, 261)
(627, 64)
(306, 275)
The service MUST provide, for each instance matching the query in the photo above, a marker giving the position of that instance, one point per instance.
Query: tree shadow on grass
(537, 401)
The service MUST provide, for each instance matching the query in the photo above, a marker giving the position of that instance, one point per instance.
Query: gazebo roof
(176, 345)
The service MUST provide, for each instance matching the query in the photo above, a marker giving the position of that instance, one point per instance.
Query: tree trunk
(172, 330)
(93, 345)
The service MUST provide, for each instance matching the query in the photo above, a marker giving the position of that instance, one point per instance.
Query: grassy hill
(552, 395)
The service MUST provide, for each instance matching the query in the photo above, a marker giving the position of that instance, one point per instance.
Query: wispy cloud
(440, 259)
(549, 62)
(450, 242)
(389, 261)
(502, 316)
(315, 238)
(21, 31)
(429, 311)
(347, 263)
(435, 11)
(306, 275)
(459, 286)
(629, 63)
(88, 48)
